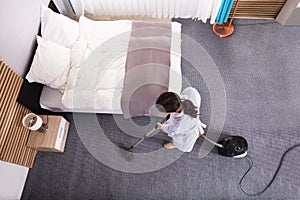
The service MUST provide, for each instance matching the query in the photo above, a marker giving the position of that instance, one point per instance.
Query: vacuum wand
(149, 134)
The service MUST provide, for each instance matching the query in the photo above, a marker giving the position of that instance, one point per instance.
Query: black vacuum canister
(233, 146)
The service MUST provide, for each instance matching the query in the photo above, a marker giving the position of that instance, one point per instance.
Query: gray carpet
(259, 65)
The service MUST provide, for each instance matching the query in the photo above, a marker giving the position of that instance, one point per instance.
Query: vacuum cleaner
(229, 146)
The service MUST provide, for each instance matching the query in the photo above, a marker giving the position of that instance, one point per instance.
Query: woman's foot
(169, 145)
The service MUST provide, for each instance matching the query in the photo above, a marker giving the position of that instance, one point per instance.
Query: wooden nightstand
(55, 137)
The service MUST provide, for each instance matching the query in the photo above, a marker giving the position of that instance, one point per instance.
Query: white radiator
(196, 9)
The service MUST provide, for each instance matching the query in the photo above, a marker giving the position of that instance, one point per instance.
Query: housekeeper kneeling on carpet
(183, 126)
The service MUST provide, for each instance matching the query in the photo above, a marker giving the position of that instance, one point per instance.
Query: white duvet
(95, 80)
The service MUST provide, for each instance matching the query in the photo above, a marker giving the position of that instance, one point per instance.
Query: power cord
(250, 162)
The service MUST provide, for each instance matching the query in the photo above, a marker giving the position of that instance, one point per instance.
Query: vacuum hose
(214, 143)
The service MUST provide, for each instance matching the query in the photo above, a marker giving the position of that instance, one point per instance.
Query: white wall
(19, 21)
(290, 13)
(12, 180)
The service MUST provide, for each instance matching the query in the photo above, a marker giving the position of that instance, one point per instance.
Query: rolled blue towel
(224, 11)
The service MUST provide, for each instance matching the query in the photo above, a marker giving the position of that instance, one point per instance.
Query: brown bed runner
(147, 67)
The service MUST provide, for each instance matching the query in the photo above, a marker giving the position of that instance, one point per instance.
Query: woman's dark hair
(170, 102)
(189, 108)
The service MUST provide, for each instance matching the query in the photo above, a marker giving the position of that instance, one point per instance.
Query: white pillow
(58, 28)
(103, 30)
(51, 64)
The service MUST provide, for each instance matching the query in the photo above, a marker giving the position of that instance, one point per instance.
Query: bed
(67, 48)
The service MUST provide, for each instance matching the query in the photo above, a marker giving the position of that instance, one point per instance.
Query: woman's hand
(201, 133)
(158, 126)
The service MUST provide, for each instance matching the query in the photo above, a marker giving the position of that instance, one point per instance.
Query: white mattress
(51, 99)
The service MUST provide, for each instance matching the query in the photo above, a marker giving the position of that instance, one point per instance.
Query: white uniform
(182, 128)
